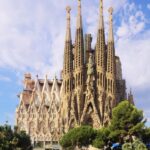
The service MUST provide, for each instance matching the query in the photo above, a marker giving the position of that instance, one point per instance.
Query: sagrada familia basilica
(91, 85)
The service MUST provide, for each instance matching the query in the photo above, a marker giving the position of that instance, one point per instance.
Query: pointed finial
(68, 30)
(79, 3)
(110, 10)
(110, 36)
(101, 20)
(101, 7)
(79, 17)
(68, 9)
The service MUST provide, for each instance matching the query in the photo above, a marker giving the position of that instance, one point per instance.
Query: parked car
(148, 146)
(116, 146)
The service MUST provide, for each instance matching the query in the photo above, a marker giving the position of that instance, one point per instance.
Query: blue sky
(32, 40)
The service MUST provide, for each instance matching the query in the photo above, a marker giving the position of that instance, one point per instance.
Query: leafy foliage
(127, 146)
(136, 145)
(101, 138)
(127, 118)
(145, 135)
(10, 140)
(127, 121)
(80, 136)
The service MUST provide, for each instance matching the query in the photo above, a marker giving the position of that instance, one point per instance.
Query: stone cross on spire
(101, 20)
(79, 16)
(110, 36)
(79, 3)
(68, 30)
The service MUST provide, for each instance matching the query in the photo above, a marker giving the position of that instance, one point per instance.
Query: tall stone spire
(79, 17)
(100, 45)
(101, 19)
(68, 56)
(110, 35)
(68, 30)
(100, 61)
(111, 48)
(79, 74)
(79, 42)
(110, 72)
(67, 70)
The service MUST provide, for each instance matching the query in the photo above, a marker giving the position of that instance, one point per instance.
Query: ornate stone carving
(90, 111)
(86, 93)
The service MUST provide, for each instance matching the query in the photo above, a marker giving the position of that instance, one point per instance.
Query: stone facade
(39, 110)
(90, 87)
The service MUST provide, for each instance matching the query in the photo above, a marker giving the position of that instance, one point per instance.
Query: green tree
(6, 136)
(80, 136)
(101, 138)
(126, 120)
(23, 141)
(11, 139)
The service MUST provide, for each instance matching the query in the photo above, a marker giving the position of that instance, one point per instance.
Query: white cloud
(4, 78)
(135, 56)
(32, 35)
(132, 21)
(133, 47)
(148, 6)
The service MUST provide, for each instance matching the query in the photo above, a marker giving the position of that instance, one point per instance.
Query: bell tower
(110, 101)
(79, 65)
(68, 68)
(100, 61)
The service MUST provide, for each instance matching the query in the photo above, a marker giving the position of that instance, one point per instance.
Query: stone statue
(90, 79)
(90, 72)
